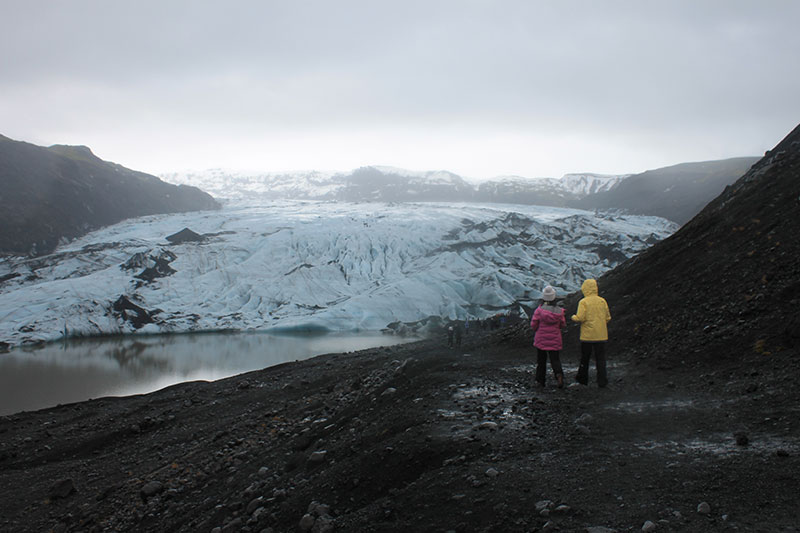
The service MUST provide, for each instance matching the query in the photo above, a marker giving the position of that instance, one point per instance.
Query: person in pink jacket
(547, 321)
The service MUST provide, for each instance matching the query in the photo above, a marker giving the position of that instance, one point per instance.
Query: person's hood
(551, 308)
(550, 314)
(589, 287)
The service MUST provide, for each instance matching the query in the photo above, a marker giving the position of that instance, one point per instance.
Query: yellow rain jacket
(593, 314)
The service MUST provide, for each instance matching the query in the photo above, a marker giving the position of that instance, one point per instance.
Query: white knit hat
(548, 294)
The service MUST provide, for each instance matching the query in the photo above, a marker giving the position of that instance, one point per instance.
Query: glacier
(288, 265)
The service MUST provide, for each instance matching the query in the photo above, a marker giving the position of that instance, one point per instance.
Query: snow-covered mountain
(389, 184)
(584, 184)
(311, 265)
(546, 191)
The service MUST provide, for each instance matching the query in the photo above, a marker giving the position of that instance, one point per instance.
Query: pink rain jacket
(547, 322)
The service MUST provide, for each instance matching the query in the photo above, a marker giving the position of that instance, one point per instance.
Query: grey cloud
(258, 66)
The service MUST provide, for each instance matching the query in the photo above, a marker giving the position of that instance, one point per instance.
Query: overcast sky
(481, 88)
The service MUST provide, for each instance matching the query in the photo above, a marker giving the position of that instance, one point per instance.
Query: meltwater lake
(77, 370)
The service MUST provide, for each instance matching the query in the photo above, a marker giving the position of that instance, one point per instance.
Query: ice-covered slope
(324, 265)
(378, 183)
(263, 185)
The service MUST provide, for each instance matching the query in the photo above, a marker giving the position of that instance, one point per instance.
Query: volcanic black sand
(420, 437)
(697, 431)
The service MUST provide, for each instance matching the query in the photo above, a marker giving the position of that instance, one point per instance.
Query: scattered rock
(649, 526)
(185, 235)
(234, 525)
(128, 311)
(151, 489)
(62, 489)
(492, 472)
(253, 505)
(317, 457)
(541, 505)
(307, 522)
(703, 508)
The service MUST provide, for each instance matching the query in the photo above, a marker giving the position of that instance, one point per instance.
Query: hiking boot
(560, 380)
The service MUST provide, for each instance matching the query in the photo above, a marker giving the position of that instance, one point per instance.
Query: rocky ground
(420, 437)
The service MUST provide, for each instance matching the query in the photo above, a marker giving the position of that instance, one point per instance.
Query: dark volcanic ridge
(53, 194)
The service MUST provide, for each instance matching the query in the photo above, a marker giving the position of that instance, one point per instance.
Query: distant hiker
(593, 315)
(458, 334)
(466, 327)
(450, 333)
(546, 322)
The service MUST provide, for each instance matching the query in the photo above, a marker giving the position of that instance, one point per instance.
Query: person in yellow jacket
(593, 316)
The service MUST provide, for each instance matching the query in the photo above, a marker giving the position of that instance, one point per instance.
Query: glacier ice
(278, 265)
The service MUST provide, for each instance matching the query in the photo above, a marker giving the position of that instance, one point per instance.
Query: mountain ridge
(53, 194)
(676, 192)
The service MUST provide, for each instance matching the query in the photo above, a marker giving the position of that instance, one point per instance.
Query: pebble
(317, 457)
(318, 509)
(488, 425)
(253, 505)
(389, 391)
(492, 472)
(649, 526)
(323, 524)
(704, 508)
(234, 525)
(151, 489)
(541, 505)
(62, 489)
(307, 522)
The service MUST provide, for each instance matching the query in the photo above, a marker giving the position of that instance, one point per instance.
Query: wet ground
(418, 437)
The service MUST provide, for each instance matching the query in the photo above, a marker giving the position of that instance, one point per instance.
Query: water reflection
(92, 368)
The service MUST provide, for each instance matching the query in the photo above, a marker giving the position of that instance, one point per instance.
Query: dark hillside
(726, 283)
(49, 194)
(676, 193)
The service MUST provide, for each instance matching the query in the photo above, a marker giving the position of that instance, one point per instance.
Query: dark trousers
(599, 349)
(541, 364)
